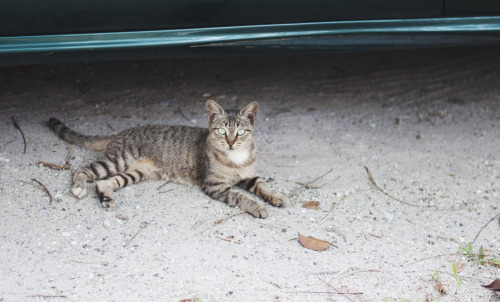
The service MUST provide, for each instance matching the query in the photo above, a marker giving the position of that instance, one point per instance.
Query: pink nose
(230, 144)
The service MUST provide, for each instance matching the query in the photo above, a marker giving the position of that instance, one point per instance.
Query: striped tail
(97, 143)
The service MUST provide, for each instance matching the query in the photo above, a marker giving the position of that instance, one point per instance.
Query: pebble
(66, 234)
(389, 216)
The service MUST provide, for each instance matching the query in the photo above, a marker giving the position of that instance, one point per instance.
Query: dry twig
(307, 184)
(337, 232)
(227, 217)
(20, 130)
(338, 292)
(331, 210)
(85, 262)
(197, 224)
(166, 183)
(52, 166)
(143, 226)
(229, 239)
(269, 225)
(482, 228)
(47, 296)
(57, 167)
(44, 189)
(341, 272)
(372, 181)
(451, 254)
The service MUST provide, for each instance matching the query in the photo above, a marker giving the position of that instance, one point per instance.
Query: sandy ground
(425, 123)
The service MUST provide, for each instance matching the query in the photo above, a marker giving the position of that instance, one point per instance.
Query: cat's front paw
(258, 210)
(278, 200)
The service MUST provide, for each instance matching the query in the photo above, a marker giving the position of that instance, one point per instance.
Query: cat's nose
(230, 143)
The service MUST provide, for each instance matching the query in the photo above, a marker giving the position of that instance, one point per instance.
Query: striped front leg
(257, 186)
(222, 191)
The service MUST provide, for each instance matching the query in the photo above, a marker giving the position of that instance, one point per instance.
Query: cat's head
(231, 129)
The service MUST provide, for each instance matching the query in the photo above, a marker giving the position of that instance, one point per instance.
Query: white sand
(425, 123)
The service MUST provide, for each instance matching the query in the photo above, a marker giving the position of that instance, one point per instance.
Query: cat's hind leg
(140, 170)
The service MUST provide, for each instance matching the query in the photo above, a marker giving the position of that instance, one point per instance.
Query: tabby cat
(215, 159)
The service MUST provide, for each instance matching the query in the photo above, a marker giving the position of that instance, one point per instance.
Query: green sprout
(458, 280)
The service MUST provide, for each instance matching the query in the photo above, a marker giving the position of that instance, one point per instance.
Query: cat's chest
(238, 157)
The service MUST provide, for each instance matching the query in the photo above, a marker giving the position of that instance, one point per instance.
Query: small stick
(45, 189)
(52, 166)
(166, 183)
(331, 210)
(269, 225)
(275, 284)
(143, 226)
(332, 293)
(366, 271)
(197, 224)
(229, 239)
(47, 296)
(20, 130)
(57, 167)
(370, 177)
(442, 255)
(337, 291)
(85, 262)
(306, 185)
(227, 217)
(477, 235)
(166, 191)
(109, 126)
(337, 232)
(341, 272)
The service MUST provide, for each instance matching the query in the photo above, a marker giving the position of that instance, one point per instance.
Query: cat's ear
(250, 111)
(213, 110)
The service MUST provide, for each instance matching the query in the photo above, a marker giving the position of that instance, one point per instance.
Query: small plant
(495, 261)
(481, 258)
(436, 276)
(458, 280)
(467, 249)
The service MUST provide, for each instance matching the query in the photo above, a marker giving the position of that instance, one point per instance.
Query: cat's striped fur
(215, 159)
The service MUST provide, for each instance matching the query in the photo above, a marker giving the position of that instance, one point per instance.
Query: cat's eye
(221, 131)
(241, 132)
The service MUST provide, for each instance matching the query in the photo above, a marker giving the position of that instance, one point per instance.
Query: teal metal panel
(281, 38)
(35, 17)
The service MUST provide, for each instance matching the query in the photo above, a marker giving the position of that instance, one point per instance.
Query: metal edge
(207, 36)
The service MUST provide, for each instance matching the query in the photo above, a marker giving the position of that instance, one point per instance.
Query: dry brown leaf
(495, 285)
(313, 243)
(459, 266)
(311, 205)
(442, 288)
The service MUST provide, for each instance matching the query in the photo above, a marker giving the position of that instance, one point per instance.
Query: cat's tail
(97, 143)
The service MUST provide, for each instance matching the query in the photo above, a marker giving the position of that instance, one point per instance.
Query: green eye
(221, 131)
(241, 132)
